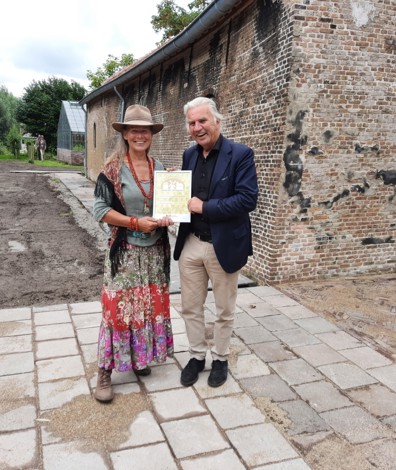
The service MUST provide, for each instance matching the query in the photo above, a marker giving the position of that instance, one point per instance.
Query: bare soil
(47, 258)
(52, 252)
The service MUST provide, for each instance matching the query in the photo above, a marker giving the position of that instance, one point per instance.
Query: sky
(46, 38)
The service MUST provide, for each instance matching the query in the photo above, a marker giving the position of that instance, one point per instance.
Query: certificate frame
(172, 190)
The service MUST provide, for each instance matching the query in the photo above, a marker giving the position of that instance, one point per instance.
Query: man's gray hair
(201, 100)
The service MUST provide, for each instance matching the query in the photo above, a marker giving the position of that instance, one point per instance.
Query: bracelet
(134, 223)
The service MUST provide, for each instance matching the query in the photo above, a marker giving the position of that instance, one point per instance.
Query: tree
(41, 104)
(172, 19)
(110, 67)
(8, 106)
(13, 140)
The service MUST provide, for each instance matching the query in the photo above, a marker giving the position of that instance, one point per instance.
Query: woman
(136, 327)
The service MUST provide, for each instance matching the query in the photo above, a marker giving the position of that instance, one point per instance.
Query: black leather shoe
(218, 374)
(190, 373)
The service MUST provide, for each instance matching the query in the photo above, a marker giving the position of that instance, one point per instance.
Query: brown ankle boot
(104, 392)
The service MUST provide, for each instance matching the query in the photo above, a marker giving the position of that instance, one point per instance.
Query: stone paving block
(156, 456)
(238, 347)
(322, 396)
(280, 300)
(18, 386)
(70, 456)
(382, 454)
(264, 291)
(355, 424)
(16, 363)
(85, 307)
(118, 378)
(16, 328)
(296, 371)
(178, 326)
(174, 313)
(18, 449)
(234, 411)
(90, 353)
(205, 391)
(174, 404)
(164, 378)
(316, 325)
(56, 394)
(243, 320)
(46, 332)
(346, 375)
(296, 337)
(246, 298)
(126, 388)
(224, 460)
(88, 335)
(303, 419)
(270, 386)
(386, 375)
(376, 399)
(15, 344)
(194, 436)
(248, 366)
(144, 430)
(51, 317)
(17, 419)
(56, 348)
(295, 312)
(305, 442)
(254, 334)
(180, 342)
(296, 464)
(15, 314)
(49, 308)
(339, 340)
(318, 354)
(277, 323)
(87, 320)
(59, 368)
(390, 422)
(261, 309)
(260, 444)
(366, 358)
(271, 351)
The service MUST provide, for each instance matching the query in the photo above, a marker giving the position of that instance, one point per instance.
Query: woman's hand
(165, 221)
(147, 224)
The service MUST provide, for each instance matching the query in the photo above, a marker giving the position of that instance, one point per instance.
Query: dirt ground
(53, 253)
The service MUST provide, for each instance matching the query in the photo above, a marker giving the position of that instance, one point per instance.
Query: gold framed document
(172, 190)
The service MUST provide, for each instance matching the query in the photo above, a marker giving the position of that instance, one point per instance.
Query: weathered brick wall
(308, 85)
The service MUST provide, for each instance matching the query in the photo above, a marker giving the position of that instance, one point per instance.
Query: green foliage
(41, 104)
(8, 106)
(50, 162)
(13, 140)
(109, 68)
(172, 19)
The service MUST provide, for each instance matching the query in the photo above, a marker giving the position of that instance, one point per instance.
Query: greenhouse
(71, 133)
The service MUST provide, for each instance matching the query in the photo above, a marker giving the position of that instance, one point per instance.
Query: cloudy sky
(45, 38)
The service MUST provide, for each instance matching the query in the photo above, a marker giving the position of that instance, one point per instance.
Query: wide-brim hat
(137, 115)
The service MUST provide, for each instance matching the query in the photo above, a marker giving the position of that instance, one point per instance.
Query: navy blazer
(232, 195)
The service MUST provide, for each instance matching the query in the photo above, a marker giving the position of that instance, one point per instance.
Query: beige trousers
(197, 264)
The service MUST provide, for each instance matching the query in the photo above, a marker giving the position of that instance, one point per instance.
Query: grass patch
(39, 163)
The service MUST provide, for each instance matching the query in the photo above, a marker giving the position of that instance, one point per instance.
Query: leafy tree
(8, 106)
(110, 67)
(172, 19)
(13, 140)
(41, 104)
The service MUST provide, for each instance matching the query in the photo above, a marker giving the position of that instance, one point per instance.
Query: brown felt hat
(137, 115)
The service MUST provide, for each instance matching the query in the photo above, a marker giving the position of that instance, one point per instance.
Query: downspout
(85, 143)
(122, 102)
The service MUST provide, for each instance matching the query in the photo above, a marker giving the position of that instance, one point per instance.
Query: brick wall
(310, 87)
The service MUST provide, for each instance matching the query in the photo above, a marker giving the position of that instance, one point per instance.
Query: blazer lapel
(223, 160)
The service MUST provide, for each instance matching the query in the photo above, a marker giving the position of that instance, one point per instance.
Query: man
(216, 243)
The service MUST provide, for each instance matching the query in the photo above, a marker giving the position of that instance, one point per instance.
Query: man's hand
(194, 205)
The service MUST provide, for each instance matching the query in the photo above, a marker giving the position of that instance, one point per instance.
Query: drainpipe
(85, 142)
(122, 102)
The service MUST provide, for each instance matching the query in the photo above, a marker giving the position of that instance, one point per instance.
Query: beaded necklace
(146, 196)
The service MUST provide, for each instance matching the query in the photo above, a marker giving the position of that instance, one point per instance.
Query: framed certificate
(172, 190)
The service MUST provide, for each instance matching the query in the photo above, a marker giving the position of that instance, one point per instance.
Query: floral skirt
(136, 327)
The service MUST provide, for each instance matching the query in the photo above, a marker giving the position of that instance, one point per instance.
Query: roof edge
(195, 30)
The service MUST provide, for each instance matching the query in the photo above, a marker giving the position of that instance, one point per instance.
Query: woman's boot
(104, 391)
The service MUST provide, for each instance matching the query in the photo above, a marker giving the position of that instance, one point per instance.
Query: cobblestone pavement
(302, 393)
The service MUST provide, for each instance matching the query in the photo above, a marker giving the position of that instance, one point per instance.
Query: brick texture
(310, 86)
